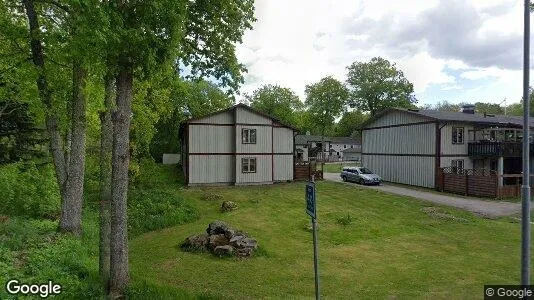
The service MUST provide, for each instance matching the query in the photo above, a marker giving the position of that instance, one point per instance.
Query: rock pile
(221, 240)
(228, 206)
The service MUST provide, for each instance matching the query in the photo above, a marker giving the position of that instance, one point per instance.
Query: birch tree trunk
(71, 206)
(119, 188)
(106, 140)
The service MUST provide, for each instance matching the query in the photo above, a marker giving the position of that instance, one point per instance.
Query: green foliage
(33, 252)
(325, 101)
(212, 30)
(377, 85)
(345, 220)
(349, 124)
(153, 202)
(279, 102)
(191, 99)
(27, 190)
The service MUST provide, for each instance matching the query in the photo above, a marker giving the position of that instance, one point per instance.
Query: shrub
(211, 197)
(26, 190)
(155, 209)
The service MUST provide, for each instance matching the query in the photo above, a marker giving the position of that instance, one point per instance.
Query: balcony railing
(506, 149)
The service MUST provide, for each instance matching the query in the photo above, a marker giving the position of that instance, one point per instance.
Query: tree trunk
(71, 206)
(56, 144)
(106, 140)
(119, 188)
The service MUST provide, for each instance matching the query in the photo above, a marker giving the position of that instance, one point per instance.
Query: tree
(279, 102)
(349, 124)
(63, 34)
(191, 99)
(489, 108)
(146, 37)
(377, 85)
(325, 100)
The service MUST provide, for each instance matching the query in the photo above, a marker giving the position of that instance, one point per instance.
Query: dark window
(457, 135)
(351, 146)
(457, 166)
(248, 136)
(248, 165)
(330, 145)
(344, 146)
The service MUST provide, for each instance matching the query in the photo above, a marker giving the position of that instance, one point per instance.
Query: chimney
(468, 109)
(307, 133)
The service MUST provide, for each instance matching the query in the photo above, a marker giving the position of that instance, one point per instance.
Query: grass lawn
(336, 166)
(390, 249)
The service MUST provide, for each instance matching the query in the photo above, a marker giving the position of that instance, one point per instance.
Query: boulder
(228, 206)
(217, 240)
(219, 227)
(243, 245)
(225, 250)
(196, 242)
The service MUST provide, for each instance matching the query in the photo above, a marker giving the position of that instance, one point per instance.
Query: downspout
(437, 162)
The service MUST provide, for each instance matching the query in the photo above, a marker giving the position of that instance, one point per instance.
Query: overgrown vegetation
(32, 250)
(28, 190)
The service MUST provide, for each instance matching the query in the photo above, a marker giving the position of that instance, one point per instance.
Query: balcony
(495, 149)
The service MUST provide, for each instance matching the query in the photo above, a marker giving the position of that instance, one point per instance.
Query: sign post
(311, 210)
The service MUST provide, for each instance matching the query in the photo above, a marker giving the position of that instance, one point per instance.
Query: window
(351, 146)
(248, 165)
(457, 166)
(249, 136)
(344, 146)
(457, 135)
(330, 145)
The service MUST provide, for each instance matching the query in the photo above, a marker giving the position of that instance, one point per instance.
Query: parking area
(487, 208)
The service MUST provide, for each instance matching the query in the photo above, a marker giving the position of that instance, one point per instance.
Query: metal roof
(451, 116)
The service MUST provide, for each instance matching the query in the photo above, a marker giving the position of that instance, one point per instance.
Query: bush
(155, 209)
(26, 190)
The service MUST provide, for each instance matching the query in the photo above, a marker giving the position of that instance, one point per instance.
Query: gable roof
(451, 116)
(303, 139)
(244, 106)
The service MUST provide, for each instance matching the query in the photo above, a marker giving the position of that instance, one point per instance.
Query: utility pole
(525, 205)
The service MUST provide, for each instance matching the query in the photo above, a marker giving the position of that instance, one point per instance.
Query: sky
(451, 50)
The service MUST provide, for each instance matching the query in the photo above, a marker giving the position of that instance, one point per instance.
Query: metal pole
(315, 251)
(315, 258)
(525, 207)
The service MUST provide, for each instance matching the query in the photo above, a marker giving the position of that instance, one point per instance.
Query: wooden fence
(479, 183)
(304, 170)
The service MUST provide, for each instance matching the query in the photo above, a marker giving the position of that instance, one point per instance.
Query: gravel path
(487, 208)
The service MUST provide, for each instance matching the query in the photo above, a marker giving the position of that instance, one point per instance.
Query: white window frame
(248, 165)
(247, 137)
(458, 135)
(457, 165)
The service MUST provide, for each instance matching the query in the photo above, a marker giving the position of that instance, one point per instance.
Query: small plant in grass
(211, 197)
(345, 220)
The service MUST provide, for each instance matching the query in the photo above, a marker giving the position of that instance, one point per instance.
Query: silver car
(360, 175)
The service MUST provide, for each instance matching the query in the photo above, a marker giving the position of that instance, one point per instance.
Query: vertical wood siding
(395, 118)
(220, 118)
(211, 139)
(211, 169)
(283, 140)
(410, 170)
(263, 140)
(263, 170)
(413, 139)
(248, 117)
(283, 167)
(447, 147)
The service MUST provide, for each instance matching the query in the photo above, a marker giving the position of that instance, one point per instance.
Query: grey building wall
(216, 149)
(403, 154)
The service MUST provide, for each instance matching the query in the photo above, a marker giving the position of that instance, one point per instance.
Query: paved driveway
(487, 208)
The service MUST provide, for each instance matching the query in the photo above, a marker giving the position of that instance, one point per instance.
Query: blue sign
(310, 199)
